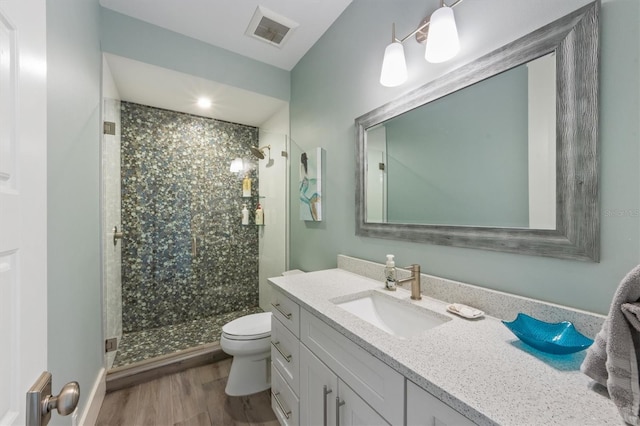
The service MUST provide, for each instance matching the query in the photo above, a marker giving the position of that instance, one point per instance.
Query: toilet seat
(249, 327)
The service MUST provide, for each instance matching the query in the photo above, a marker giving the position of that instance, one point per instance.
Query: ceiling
(221, 23)
(159, 87)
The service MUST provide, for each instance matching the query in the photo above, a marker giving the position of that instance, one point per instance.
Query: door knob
(40, 402)
(65, 402)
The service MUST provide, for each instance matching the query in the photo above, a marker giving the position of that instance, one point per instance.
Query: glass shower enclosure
(184, 265)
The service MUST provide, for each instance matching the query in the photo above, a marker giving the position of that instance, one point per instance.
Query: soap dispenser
(246, 186)
(259, 215)
(245, 215)
(390, 273)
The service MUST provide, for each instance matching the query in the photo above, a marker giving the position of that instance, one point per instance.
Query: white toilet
(248, 340)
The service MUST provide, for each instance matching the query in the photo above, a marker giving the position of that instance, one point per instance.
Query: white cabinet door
(23, 203)
(377, 383)
(353, 411)
(318, 390)
(425, 409)
(321, 391)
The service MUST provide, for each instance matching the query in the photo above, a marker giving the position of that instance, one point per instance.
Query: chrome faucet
(415, 281)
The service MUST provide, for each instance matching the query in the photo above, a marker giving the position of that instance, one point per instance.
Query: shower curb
(150, 369)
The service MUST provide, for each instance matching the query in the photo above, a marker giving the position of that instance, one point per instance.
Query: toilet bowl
(248, 340)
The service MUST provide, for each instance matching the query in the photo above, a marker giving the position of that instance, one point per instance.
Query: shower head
(259, 152)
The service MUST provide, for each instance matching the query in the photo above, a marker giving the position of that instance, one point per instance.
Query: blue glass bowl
(553, 338)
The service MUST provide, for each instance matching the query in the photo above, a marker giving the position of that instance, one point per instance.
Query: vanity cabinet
(374, 381)
(285, 353)
(320, 377)
(284, 402)
(424, 409)
(318, 389)
(327, 399)
(286, 311)
(285, 359)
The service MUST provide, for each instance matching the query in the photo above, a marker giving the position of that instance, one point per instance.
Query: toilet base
(249, 375)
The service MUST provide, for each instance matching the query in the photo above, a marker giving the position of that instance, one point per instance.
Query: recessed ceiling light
(204, 102)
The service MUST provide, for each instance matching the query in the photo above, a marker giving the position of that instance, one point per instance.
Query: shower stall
(188, 264)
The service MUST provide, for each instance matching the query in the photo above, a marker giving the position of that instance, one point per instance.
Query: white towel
(612, 360)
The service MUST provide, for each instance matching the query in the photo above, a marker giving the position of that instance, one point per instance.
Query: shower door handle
(117, 235)
(194, 246)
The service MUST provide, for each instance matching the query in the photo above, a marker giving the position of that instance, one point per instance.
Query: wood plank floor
(194, 397)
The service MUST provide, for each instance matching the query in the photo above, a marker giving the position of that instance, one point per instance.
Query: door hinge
(111, 345)
(109, 128)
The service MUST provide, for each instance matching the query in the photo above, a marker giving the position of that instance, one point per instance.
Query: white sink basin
(398, 317)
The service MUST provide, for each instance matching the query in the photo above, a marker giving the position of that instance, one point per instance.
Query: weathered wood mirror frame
(574, 39)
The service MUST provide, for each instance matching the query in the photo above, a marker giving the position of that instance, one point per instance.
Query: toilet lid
(254, 326)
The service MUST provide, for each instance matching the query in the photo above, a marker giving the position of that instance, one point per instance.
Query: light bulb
(204, 102)
(394, 67)
(442, 40)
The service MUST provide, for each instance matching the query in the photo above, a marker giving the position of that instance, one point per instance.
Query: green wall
(75, 347)
(134, 39)
(337, 81)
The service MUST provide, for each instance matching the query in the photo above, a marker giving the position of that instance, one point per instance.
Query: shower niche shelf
(252, 211)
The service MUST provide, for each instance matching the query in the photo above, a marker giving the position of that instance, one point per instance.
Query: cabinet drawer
(377, 383)
(285, 353)
(284, 402)
(425, 409)
(286, 310)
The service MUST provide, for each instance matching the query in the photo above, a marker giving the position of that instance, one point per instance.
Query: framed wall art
(310, 185)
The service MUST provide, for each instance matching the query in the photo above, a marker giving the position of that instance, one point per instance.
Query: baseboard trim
(94, 402)
(144, 371)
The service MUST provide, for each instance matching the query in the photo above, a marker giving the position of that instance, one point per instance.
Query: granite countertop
(478, 367)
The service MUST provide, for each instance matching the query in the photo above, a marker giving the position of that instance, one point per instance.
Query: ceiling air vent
(270, 27)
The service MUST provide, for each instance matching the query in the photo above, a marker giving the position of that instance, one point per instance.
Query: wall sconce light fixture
(237, 165)
(441, 35)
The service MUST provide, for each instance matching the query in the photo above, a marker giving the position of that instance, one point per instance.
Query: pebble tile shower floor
(141, 345)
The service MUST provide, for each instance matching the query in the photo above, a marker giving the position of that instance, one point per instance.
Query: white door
(23, 203)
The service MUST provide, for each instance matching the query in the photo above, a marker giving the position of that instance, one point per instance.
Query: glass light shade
(442, 40)
(394, 67)
(237, 165)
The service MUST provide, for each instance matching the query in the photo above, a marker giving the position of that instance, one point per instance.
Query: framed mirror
(500, 154)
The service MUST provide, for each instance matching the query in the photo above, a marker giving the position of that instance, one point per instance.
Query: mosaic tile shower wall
(185, 253)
